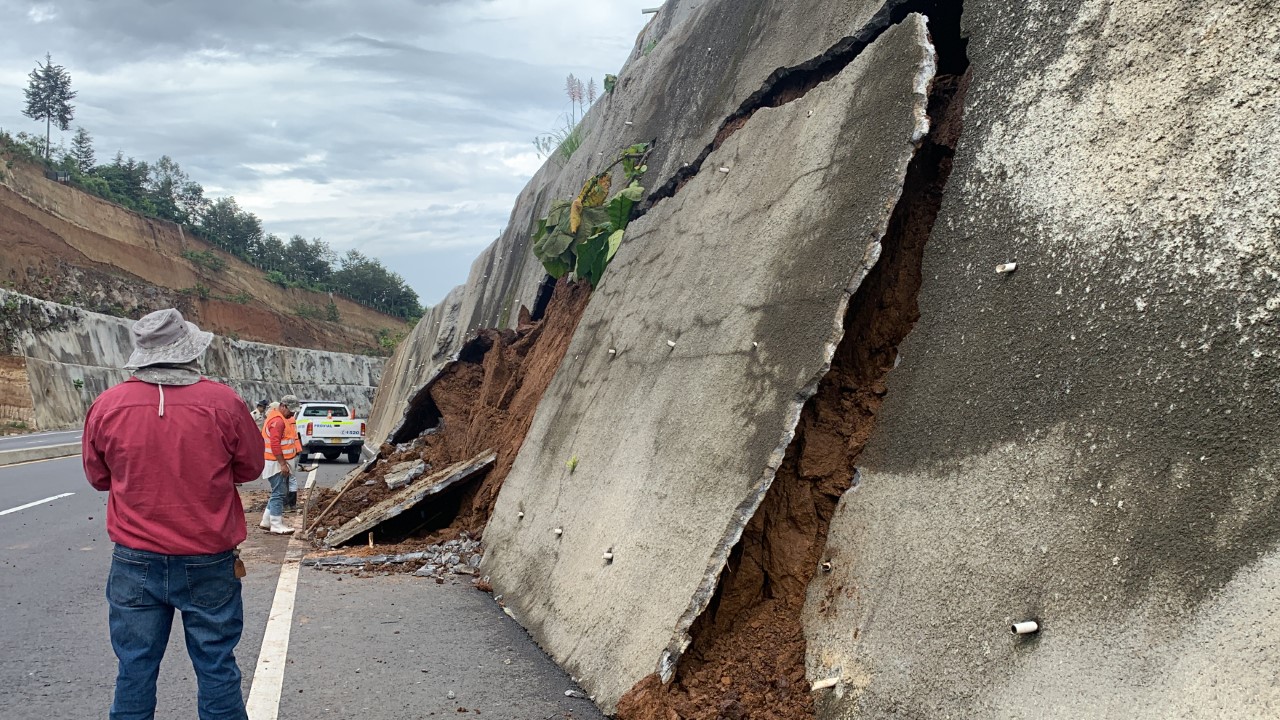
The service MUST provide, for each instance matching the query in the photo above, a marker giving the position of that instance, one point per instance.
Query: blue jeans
(143, 590)
(279, 488)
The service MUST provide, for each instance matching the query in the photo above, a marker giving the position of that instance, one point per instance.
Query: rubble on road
(409, 497)
(460, 556)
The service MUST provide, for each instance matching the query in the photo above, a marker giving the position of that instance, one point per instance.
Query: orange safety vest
(290, 444)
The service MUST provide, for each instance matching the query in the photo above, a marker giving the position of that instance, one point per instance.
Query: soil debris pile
(483, 400)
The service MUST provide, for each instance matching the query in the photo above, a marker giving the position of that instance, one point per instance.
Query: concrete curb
(48, 452)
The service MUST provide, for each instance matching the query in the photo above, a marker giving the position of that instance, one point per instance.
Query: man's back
(171, 457)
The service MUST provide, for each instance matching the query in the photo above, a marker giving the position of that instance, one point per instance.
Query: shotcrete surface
(722, 308)
(694, 65)
(62, 345)
(1089, 441)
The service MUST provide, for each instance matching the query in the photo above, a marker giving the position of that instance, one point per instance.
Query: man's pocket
(212, 584)
(127, 583)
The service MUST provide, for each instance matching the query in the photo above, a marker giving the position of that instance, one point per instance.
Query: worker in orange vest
(281, 445)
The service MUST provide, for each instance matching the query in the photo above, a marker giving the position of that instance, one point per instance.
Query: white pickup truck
(331, 429)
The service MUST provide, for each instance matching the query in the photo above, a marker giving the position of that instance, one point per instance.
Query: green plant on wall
(582, 235)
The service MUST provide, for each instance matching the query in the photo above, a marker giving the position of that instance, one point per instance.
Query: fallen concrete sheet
(666, 422)
(692, 68)
(410, 496)
(48, 452)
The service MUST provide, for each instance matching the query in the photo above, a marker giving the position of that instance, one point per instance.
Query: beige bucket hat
(164, 337)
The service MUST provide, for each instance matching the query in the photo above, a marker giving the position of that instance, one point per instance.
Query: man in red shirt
(170, 446)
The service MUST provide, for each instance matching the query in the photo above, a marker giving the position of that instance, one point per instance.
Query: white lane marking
(38, 502)
(268, 675)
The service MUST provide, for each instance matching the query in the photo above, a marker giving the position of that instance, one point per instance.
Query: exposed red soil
(747, 655)
(63, 245)
(484, 403)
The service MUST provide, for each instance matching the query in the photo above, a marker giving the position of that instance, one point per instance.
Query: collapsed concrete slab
(409, 497)
(682, 386)
(695, 67)
(1090, 440)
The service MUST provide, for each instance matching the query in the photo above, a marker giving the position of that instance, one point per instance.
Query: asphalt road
(376, 648)
(34, 440)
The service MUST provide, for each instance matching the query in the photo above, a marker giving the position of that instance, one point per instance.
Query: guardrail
(48, 452)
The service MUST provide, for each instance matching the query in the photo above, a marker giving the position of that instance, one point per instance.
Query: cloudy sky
(401, 128)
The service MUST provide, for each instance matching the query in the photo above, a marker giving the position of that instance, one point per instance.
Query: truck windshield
(324, 410)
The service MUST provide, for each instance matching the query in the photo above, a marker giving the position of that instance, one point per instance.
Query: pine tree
(82, 151)
(49, 97)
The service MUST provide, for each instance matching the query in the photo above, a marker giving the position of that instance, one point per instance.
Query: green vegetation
(309, 311)
(49, 97)
(206, 259)
(198, 290)
(78, 384)
(565, 140)
(610, 82)
(582, 235)
(648, 47)
(387, 340)
(162, 190)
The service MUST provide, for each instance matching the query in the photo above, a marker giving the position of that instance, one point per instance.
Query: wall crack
(746, 657)
(788, 84)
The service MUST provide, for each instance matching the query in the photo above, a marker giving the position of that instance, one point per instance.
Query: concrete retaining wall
(62, 345)
(1091, 440)
(1088, 441)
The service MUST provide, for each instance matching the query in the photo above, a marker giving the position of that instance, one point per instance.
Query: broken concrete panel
(1090, 440)
(721, 310)
(63, 346)
(708, 60)
(403, 473)
(410, 496)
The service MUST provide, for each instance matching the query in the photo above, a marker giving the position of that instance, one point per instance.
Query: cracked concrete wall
(708, 59)
(723, 306)
(62, 344)
(1091, 440)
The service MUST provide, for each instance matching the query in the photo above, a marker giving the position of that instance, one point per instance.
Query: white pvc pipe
(1026, 627)
(824, 684)
(1006, 267)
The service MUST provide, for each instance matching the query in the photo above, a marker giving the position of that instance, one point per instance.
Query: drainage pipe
(1026, 627)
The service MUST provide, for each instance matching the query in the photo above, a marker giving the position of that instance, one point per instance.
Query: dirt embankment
(747, 658)
(483, 401)
(17, 410)
(60, 244)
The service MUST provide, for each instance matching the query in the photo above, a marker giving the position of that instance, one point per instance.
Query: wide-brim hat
(164, 337)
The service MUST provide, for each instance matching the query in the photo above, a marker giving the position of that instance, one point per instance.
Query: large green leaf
(591, 258)
(556, 267)
(556, 242)
(615, 241)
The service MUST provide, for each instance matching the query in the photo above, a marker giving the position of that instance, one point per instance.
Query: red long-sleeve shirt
(172, 478)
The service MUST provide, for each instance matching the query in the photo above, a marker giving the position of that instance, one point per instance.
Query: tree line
(163, 190)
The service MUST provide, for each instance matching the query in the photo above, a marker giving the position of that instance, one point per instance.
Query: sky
(401, 128)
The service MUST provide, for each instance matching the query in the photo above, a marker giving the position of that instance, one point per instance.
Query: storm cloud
(402, 128)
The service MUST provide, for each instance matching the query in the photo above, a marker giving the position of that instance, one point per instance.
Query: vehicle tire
(353, 457)
(331, 454)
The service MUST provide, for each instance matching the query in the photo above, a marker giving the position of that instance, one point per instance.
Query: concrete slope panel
(693, 67)
(1091, 440)
(721, 311)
